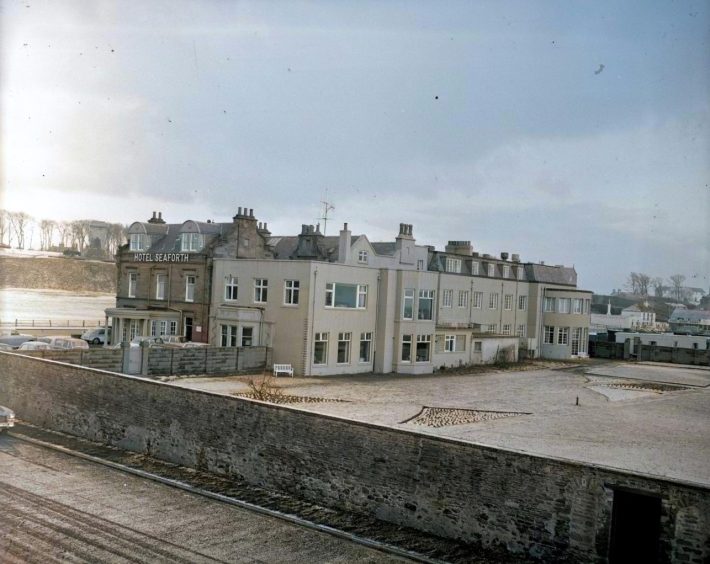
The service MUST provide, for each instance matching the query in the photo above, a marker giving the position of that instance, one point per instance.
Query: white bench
(283, 368)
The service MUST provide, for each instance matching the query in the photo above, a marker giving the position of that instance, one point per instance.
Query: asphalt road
(54, 507)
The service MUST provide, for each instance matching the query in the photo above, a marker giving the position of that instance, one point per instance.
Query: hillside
(57, 273)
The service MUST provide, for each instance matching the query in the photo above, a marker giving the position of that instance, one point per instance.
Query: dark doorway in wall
(635, 528)
(188, 328)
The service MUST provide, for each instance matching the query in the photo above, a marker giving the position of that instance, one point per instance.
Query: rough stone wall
(547, 509)
(58, 274)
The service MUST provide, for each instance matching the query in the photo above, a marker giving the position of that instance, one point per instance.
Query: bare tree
(658, 287)
(19, 222)
(643, 282)
(80, 234)
(633, 283)
(116, 237)
(4, 226)
(677, 281)
(64, 232)
(46, 233)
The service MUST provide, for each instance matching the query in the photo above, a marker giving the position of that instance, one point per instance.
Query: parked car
(34, 346)
(7, 418)
(6, 348)
(97, 336)
(16, 340)
(152, 341)
(64, 342)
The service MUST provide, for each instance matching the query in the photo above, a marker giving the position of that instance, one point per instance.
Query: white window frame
(425, 295)
(362, 257)
(493, 300)
(408, 297)
(491, 270)
(447, 298)
(228, 335)
(132, 284)
(423, 339)
(242, 336)
(563, 336)
(360, 295)
(522, 330)
(478, 346)
(261, 290)
(522, 303)
(508, 301)
(548, 335)
(506, 271)
(550, 304)
(138, 241)
(578, 306)
(191, 242)
(478, 300)
(231, 289)
(474, 268)
(492, 328)
(463, 298)
(161, 285)
(453, 265)
(521, 273)
(320, 337)
(507, 329)
(190, 283)
(365, 337)
(292, 289)
(406, 339)
(564, 305)
(346, 338)
(449, 343)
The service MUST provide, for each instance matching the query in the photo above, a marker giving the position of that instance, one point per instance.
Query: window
(549, 337)
(291, 289)
(159, 328)
(190, 288)
(423, 348)
(506, 329)
(345, 295)
(576, 339)
(506, 271)
(344, 348)
(492, 328)
(231, 288)
(161, 284)
(365, 347)
(474, 268)
(463, 298)
(247, 336)
(522, 303)
(493, 301)
(132, 283)
(229, 335)
(564, 305)
(320, 349)
(563, 336)
(261, 288)
(522, 330)
(453, 265)
(173, 327)
(549, 304)
(447, 298)
(478, 346)
(362, 257)
(586, 306)
(138, 242)
(420, 264)
(508, 301)
(578, 306)
(191, 242)
(491, 270)
(426, 300)
(450, 343)
(521, 273)
(478, 300)
(408, 304)
(406, 348)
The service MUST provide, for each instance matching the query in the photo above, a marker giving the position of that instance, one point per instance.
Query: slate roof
(689, 315)
(551, 274)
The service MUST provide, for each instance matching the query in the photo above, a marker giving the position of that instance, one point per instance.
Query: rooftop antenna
(327, 207)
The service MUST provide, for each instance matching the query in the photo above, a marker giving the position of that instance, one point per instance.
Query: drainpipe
(377, 320)
(309, 360)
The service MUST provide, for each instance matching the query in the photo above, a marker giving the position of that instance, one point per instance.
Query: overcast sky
(569, 132)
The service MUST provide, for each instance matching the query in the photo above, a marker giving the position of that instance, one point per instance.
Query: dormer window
(362, 257)
(491, 270)
(138, 241)
(191, 242)
(453, 265)
(506, 271)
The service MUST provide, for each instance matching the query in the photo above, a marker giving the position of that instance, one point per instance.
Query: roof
(691, 315)
(384, 248)
(639, 307)
(551, 274)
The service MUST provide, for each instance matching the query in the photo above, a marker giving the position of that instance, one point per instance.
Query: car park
(97, 336)
(16, 340)
(6, 348)
(151, 341)
(7, 418)
(64, 342)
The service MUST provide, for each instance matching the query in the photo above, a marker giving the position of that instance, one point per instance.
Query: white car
(97, 336)
(34, 346)
(7, 418)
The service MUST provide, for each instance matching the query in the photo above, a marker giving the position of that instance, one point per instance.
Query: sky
(574, 133)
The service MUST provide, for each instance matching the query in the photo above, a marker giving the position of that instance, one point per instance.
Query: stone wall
(58, 273)
(547, 509)
(103, 359)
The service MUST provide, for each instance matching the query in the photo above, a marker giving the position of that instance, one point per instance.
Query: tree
(677, 281)
(79, 234)
(643, 282)
(658, 287)
(116, 237)
(64, 231)
(18, 223)
(46, 233)
(4, 226)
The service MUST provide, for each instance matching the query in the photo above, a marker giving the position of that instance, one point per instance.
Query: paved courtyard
(649, 418)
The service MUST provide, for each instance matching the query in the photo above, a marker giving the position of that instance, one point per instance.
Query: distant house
(694, 295)
(637, 317)
(690, 321)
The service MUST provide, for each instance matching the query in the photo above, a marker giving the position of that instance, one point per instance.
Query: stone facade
(537, 507)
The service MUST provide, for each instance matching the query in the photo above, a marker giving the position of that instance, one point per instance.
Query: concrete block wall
(103, 359)
(205, 360)
(543, 508)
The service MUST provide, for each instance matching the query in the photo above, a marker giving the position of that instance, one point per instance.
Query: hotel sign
(161, 257)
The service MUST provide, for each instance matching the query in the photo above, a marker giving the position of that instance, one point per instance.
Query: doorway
(635, 528)
(188, 328)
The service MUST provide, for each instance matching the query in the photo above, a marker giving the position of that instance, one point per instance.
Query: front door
(188, 328)
(635, 528)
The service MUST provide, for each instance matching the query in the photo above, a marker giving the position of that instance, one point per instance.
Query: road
(55, 507)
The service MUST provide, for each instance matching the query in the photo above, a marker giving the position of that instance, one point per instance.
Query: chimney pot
(153, 215)
(504, 255)
(239, 210)
(265, 228)
(345, 226)
(251, 212)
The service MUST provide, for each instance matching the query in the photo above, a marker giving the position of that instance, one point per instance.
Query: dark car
(16, 340)
(7, 418)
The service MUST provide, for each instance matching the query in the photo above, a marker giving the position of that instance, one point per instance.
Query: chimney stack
(344, 243)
